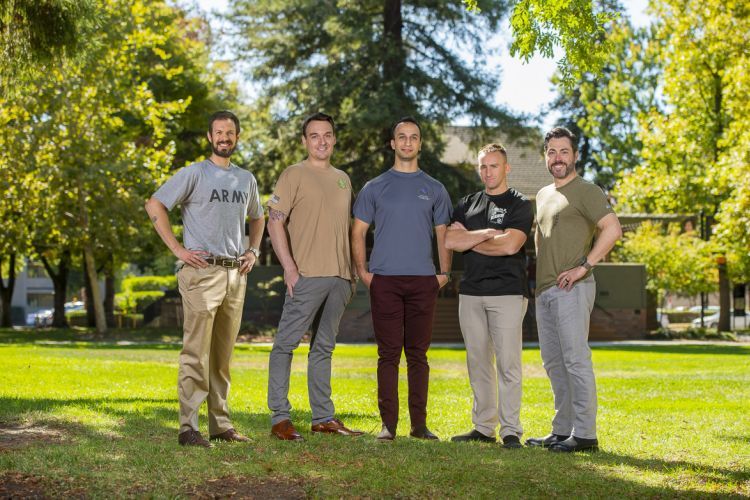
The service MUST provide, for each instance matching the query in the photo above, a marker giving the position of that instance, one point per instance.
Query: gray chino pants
(563, 322)
(310, 294)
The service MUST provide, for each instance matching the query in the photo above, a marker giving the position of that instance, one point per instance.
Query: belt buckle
(227, 263)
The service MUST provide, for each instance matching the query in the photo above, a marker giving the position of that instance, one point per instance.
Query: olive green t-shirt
(566, 223)
(317, 203)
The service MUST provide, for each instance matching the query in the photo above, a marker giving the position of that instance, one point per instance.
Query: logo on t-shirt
(342, 184)
(226, 197)
(274, 199)
(422, 194)
(497, 215)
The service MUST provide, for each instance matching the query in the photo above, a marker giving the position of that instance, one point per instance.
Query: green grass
(674, 421)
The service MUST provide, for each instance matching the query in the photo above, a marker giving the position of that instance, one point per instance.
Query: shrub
(148, 283)
(130, 302)
(691, 334)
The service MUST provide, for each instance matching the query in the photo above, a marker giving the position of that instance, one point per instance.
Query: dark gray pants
(310, 294)
(563, 319)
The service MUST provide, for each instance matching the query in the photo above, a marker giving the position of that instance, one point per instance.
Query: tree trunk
(96, 295)
(60, 283)
(90, 264)
(724, 296)
(90, 316)
(109, 291)
(6, 292)
(394, 63)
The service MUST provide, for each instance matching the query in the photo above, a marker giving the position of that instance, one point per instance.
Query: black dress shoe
(546, 441)
(423, 433)
(575, 444)
(511, 442)
(474, 435)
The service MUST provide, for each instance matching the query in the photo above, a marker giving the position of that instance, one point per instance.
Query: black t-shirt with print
(494, 275)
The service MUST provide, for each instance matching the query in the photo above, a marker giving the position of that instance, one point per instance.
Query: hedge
(136, 301)
(148, 283)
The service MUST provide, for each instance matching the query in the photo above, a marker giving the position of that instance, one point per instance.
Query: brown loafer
(193, 438)
(231, 436)
(285, 431)
(334, 426)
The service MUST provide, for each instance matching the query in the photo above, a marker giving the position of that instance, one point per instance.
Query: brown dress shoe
(193, 438)
(285, 431)
(230, 435)
(334, 426)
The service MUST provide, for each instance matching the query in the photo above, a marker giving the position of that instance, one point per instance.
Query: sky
(525, 87)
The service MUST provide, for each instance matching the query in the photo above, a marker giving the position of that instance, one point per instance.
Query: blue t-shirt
(405, 207)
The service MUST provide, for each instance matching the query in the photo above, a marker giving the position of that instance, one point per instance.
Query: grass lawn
(98, 419)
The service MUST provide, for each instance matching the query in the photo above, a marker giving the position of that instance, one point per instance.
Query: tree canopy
(694, 155)
(100, 132)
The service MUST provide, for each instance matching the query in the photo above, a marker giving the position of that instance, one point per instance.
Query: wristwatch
(446, 274)
(585, 263)
(255, 252)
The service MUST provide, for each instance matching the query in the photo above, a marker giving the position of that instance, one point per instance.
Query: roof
(528, 170)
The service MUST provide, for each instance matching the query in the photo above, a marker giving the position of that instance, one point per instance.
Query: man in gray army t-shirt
(215, 197)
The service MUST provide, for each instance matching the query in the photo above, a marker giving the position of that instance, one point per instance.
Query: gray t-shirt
(214, 203)
(405, 208)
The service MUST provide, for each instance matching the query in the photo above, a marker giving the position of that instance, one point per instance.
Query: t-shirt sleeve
(283, 195)
(522, 217)
(442, 209)
(364, 205)
(594, 204)
(459, 213)
(178, 188)
(254, 206)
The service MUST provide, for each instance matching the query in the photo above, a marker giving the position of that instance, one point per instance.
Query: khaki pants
(212, 301)
(491, 327)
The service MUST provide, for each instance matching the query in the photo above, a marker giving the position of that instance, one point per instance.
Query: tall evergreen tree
(367, 63)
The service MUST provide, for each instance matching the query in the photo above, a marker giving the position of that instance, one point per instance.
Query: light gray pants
(562, 319)
(491, 327)
(310, 295)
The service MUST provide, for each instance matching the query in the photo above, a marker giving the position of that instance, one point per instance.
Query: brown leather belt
(224, 262)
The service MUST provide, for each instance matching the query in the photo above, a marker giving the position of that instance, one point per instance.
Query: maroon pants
(402, 312)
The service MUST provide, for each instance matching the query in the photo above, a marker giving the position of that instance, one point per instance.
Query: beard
(569, 167)
(224, 151)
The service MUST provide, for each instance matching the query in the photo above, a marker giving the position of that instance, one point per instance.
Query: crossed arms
(491, 242)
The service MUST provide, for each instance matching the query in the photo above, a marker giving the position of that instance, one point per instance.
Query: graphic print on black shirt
(494, 275)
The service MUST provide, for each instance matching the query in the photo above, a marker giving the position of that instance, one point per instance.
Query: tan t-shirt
(317, 204)
(566, 223)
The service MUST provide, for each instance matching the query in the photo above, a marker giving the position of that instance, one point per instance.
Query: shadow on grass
(35, 335)
(712, 349)
(139, 427)
(161, 415)
(666, 347)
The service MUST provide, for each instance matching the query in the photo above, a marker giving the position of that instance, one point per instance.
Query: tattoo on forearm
(276, 215)
(154, 219)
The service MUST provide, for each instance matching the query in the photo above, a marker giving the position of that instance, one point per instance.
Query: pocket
(298, 285)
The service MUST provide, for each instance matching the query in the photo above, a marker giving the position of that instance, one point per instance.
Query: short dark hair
(493, 148)
(405, 119)
(560, 132)
(317, 117)
(223, 115)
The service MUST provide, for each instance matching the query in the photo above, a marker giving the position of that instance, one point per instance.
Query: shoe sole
(473, 441)
(559, 449)
(282, 439)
